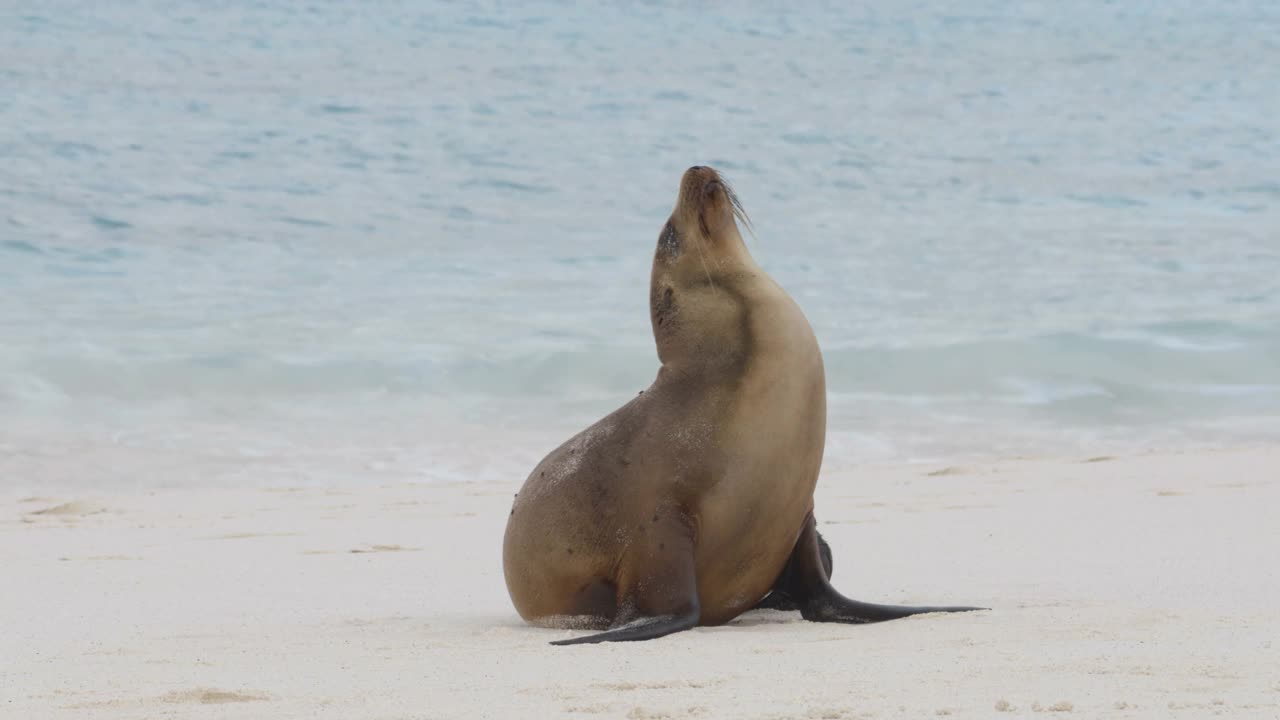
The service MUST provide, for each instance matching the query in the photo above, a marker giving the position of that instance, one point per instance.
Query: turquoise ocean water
(269, 229)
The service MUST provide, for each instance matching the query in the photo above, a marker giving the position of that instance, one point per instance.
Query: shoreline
(156, 451)
(1121, 586)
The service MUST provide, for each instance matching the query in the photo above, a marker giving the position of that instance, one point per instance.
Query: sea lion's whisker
(703, 260)
(735, 205)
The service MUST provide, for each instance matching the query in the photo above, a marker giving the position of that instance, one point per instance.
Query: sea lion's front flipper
(645, 628)
(804, 580)
(660, 594)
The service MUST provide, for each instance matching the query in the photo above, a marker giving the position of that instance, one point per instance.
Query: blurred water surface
(1014, 228)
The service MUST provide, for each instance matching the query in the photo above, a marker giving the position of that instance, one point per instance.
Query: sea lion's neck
(702, 321)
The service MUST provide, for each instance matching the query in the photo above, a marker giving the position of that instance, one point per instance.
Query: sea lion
(694, 501)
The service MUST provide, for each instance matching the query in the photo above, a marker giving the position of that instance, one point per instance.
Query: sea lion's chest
(770, 442)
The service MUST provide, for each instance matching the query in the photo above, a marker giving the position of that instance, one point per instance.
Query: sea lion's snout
(698, 178)
(700, 188)
(707, 201)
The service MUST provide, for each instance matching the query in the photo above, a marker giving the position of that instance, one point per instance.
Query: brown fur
(700, 485)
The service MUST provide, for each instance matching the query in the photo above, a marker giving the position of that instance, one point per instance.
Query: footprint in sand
(194, 696)
(589, 709)
(1063, 706)
(249, 535)
(639, 713)
(69, 511)
(213, 696)
(383, 548)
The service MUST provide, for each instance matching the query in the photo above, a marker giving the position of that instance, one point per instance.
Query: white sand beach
(1140, 586)
(294, 295)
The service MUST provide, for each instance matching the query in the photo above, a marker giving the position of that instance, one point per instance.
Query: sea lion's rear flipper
(806, 583)
(778, 597)
(659, 595)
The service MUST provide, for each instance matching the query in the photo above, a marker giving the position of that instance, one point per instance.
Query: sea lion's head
(703, 223)
(695, 295)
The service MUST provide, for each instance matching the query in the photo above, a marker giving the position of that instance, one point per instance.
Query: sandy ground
(1129, 587)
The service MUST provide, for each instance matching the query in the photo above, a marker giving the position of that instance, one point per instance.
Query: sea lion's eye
(669, 240)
